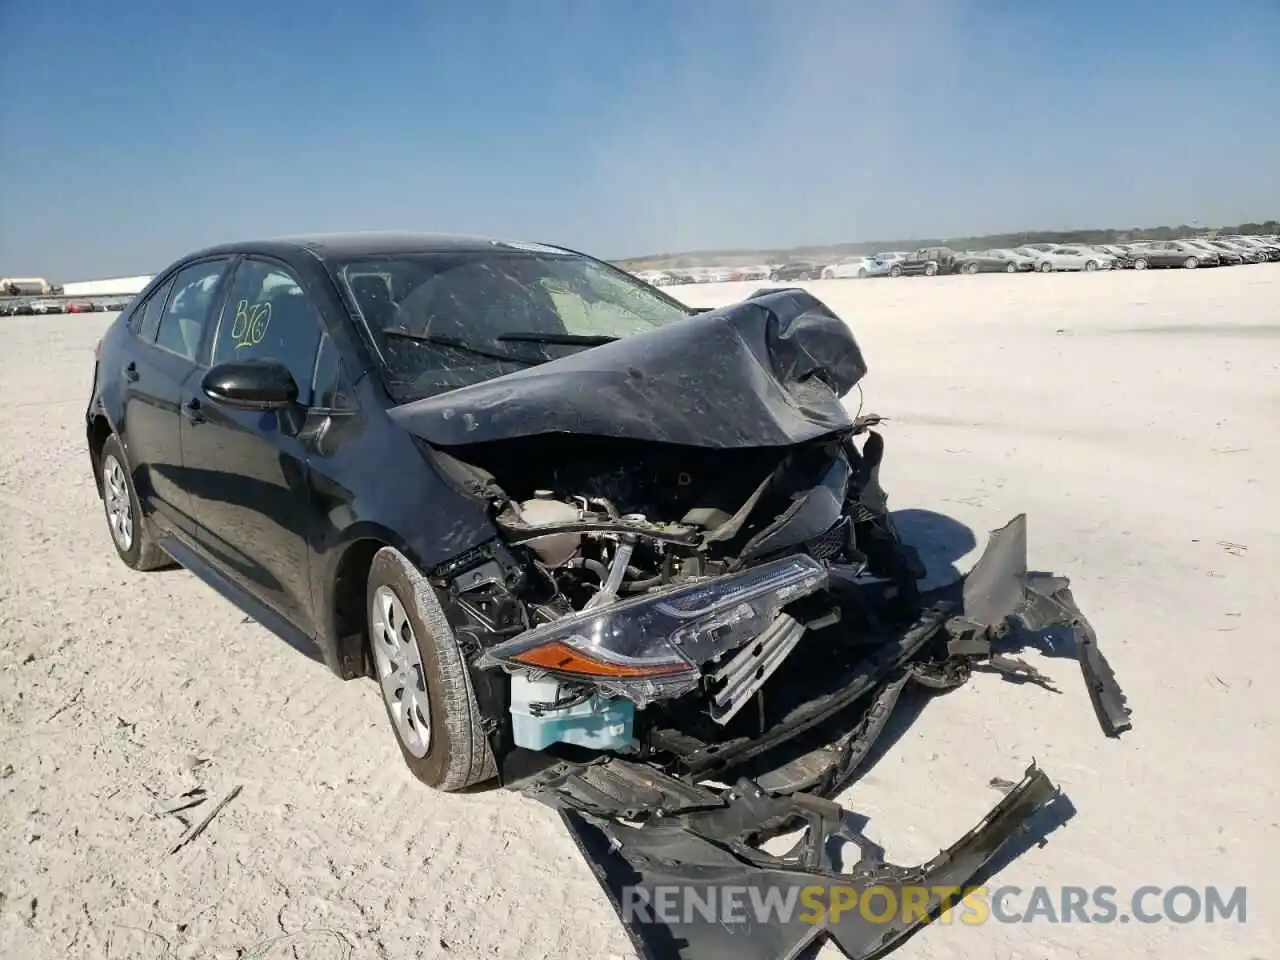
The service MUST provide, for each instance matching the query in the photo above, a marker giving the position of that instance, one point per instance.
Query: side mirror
(252, 385)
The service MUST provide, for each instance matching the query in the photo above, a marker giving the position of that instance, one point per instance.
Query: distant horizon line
(913, 243)
(987, 239)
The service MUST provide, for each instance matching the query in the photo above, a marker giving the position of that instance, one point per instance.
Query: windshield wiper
(457, 344)
(558, 339)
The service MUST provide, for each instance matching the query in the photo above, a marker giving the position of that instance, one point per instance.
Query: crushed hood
(766, 372)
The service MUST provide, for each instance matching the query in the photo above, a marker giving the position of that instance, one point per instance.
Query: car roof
(346, 246)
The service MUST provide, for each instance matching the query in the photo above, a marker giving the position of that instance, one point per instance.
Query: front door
(246, 472)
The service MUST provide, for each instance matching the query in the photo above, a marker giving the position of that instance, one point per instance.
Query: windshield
(439, 321)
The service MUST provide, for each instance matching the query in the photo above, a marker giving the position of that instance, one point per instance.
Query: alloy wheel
(400, 672)
(115, 493)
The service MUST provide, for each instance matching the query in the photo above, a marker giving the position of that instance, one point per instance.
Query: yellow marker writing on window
(250, 324)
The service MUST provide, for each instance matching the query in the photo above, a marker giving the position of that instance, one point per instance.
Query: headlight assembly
(651, 647)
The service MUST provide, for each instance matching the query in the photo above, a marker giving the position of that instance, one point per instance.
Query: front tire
(931, 270)
(895, 271)
(1011, 268)
(130, 534)
(862, 273)
(1191, 263)
(1091, 266)
(970, 268)
(1140, 263)
(1046, 267)
(424, 680)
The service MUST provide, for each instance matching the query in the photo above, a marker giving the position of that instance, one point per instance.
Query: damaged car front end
(697, 615)
(630, 558)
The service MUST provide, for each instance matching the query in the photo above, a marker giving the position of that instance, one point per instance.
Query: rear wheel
(1046, 267)
(1091, 266)
(1191, 263)
(895, 271)
(1011, 268)
(129, 532)
(423, 677)
(862, 273)
(971, 268)
(930, 269)
(1140, 263)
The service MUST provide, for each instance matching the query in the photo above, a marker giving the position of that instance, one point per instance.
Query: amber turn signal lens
(564, 658)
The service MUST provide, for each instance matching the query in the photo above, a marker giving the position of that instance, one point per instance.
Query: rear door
(246, 472)
(164, 357)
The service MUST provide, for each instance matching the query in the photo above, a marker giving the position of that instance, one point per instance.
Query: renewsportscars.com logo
(727, 904)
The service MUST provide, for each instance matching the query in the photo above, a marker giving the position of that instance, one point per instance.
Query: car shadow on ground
(941, 541)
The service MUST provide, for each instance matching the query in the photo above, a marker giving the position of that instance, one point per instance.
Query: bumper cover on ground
(680, 885)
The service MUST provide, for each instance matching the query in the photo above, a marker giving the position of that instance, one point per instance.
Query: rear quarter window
(145, 319)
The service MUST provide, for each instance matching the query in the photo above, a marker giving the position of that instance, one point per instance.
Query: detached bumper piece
(667, 847)
(669, 880)
(1000, 595)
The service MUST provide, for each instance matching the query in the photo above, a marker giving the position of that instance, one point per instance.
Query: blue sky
(137, 131)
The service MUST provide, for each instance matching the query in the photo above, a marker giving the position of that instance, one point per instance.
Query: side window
(146, 319)
(187, 312)
(332, 388)
(267, 316)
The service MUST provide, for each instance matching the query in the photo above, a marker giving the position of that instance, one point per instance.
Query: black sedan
(1172, 253)
(798, 270)
(988, 261)
(586, 540)
(1270, 249)
(1247, 253)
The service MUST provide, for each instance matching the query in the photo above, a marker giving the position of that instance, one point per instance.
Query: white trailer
(117, 286)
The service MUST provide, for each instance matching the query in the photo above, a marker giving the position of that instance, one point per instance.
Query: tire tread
(470, 759)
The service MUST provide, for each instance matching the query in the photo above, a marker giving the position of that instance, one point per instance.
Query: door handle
(131, 372)
(191, 410)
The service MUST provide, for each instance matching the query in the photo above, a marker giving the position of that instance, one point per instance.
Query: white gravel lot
(1135, 417)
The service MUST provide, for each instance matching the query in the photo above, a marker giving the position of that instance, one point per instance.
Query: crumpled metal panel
(768, 371)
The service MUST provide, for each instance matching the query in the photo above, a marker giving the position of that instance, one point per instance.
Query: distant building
(116, 286)
(17, 286)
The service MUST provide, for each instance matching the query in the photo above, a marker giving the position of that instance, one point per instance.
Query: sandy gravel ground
(1132, 416)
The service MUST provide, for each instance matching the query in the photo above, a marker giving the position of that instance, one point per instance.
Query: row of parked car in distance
(26, 306)
(1029, 258)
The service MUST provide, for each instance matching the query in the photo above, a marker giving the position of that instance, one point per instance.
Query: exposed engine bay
(725, 547)
(685, 646)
